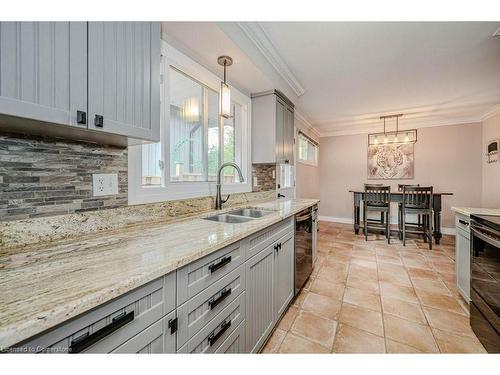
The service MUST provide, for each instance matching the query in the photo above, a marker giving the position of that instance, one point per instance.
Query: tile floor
(371, 297)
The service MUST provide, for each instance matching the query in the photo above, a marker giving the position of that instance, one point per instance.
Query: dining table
(398, 197)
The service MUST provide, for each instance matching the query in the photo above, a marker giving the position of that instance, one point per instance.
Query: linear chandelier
(392, 137)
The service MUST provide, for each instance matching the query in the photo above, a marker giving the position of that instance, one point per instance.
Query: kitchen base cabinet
(260, 303)
(156, 339)
(235, 343)
(284, 278)
(462, 255)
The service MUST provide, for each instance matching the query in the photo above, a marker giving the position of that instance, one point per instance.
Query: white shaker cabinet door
(43, 71)
(259, 294)
(462, 263)
(124, 78)
(284, 278)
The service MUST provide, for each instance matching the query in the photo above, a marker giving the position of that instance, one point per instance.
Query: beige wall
(491, 172)
(306, 176)
(447, 157)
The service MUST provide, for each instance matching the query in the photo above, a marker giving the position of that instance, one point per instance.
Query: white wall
(307, 179)
(491, 172)
(447, 157)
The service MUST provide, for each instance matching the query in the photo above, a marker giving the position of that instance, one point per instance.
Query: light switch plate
(255, 181)
(105, 184)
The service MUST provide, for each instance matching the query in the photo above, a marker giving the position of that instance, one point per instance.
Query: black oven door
(485, 286)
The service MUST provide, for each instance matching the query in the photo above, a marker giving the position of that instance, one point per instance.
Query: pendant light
(225, 92)
(393, 137)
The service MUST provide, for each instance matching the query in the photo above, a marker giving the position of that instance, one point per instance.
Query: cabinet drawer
(210, 338)
(199, 275)
(112, 324)
(235, 343)
(264, 238)
(155, 339)
(462, 222)
(201, 309)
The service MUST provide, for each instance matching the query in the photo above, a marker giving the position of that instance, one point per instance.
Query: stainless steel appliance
(485, 280)
(305, 226)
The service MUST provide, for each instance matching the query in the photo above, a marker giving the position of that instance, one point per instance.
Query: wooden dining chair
(417, 201)
(377, 198)
(400, 212)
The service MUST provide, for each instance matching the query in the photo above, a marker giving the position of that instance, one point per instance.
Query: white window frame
(307, 162)
(138, 193)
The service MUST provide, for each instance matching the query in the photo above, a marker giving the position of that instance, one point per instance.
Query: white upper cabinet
(43, 71)
(49, 69)
(124, 78)
(272, 128)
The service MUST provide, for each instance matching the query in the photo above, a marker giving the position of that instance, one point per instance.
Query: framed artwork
(391, 161)
(492, 151)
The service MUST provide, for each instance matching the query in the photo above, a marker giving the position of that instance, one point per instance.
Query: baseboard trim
(346, 220)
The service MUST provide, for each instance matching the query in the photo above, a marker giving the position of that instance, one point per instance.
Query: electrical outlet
(255, 181)
(105, 184)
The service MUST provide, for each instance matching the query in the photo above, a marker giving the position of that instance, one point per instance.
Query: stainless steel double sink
(241, 215)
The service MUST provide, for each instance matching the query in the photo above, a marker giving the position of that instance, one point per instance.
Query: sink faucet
(218, 199)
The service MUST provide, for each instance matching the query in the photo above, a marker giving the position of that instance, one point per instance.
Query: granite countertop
(42, 286)
(467, 211)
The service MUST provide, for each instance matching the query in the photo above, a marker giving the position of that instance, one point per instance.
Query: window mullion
(205, 134)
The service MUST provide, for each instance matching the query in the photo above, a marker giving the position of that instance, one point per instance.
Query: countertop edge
(12, 335)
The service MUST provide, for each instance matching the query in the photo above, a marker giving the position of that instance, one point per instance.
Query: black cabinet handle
(212, 339)
(463, 222)
(83, 342)
(223, 295)
(276, 247)
(214, 267)
(99, 121)
(81, 117)
(173, 325)
(279, 246)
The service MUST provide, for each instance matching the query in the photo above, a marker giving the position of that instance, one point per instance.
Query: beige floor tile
(448, 321)
(440, 301)
(300, 298)
(333, 275)
(398, 291)
(452, 343)
(362, 298)
(392, 268)
(325, 288)
(297, 345)
(429, 285)
(323, 306)
(367, 273)
(391, 259)
(394, 347)
(315, 328)
(352, 340)
(360, 282)
(403, 309)
(286, 322)
(444, 268)
(370, 264)
(335, 258)
(394, 278)
(417, 263)
(361, 318)
(274, 342)
(409, 333)
(420, 273)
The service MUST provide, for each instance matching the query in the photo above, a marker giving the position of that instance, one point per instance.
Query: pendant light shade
(225, 91)
(392, 137)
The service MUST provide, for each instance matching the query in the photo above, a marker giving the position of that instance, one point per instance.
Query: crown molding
(260, 39)
(492, 112)
(299, 116)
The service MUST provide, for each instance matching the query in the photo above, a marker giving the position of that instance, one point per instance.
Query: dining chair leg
(403, 222)
(388, 226)
(365, 224)
(429, 222)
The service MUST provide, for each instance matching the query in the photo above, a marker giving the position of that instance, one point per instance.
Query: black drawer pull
(223, 295)
(214, 267)
(83, 342)
(99, 121)
(212, 339)
(463, 222)
(81, 117)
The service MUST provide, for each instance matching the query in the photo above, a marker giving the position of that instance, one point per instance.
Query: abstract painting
(394, 161)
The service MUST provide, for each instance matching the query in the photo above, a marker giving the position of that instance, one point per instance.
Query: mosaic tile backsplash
(266, 177)
(48, 176)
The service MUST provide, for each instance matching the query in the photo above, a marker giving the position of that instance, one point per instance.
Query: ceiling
(343, 75)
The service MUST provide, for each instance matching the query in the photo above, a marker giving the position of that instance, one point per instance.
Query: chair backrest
(401, 186)
(377, 195)
(417, 197)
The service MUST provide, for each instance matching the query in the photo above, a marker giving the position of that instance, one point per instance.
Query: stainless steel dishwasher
(305, 226)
